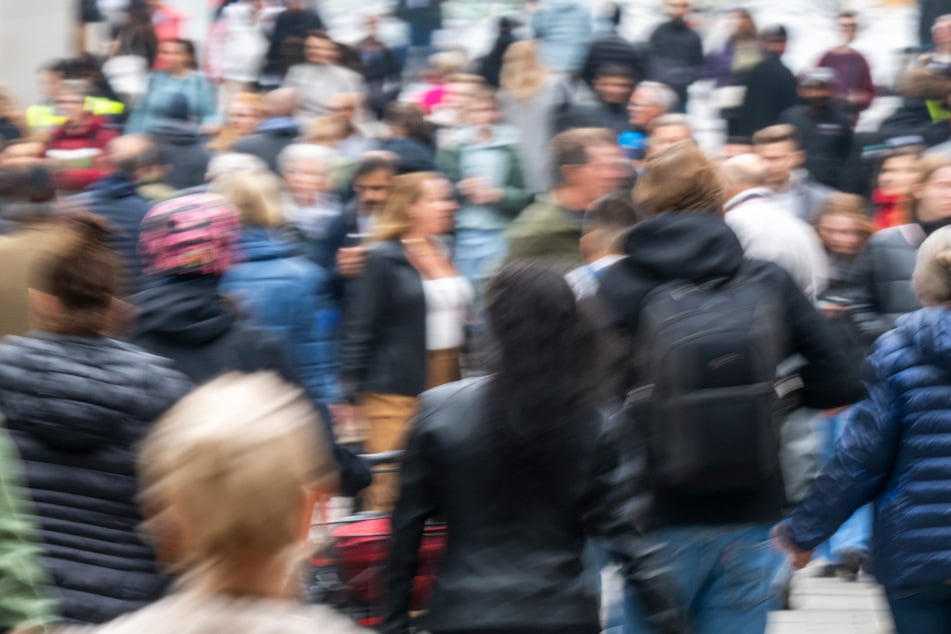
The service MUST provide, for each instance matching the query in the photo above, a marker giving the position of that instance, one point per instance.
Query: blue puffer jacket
(290, 297)
(896, 452)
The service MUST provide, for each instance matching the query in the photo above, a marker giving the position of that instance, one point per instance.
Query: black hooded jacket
(700, 247)
(191, 323)
(77, 408)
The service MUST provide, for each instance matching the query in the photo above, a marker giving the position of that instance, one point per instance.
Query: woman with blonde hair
(285, 294)
(404, 317)
(245, 112)
(529, 97)
(229, 480)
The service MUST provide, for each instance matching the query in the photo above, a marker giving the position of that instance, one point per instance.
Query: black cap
(774, 32)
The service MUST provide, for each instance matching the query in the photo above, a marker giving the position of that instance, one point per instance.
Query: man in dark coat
(294, 22)
(612, 86)
(612, 49)
(676, 51)
(771, 89)
(824, 129)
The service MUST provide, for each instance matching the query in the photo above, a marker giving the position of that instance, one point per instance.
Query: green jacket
(22, 582)
(548, 231)
(515, 196)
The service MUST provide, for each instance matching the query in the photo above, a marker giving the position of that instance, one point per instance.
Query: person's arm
(829, 378)
(515, 196)
(418, 501)
(23, 596)
(864, 457)
(205, 106)
(617, 499)
(361, 312)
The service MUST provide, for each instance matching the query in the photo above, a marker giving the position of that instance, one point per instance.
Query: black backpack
(706, 400)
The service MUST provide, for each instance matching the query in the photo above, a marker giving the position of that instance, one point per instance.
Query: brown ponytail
(83, 274)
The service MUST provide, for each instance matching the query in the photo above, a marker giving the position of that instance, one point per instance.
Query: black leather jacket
(525, 573)
(383, 338)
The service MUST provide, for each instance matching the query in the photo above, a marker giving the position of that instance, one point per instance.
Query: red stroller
(350, 573)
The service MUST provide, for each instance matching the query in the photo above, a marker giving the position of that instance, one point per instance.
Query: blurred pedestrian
(676, 51)
(730, 67)
(884, 457)
(667, 130)
(793, 187)
(217, 471)
(77, 148)
(585, 167)
(490, 66)
(485, 171)
(883, 290)
(320, 78)
(311, 206)
(246, 110)
(179, 141)
(530, 98)
(563, 29)
(382, 73)
(77, 404)
(372, 185)
(409, 138)
(526, 450)
(824, 130)
(854, 88)
(178, 78)
(610, 48)
(276, 130)
(766, 231)
(700, 517)
(284, 294)
(844, 228)
(613, 86)
(892, 196)
(293, 24)
(12, 118)
(389, 357)
(770, 88)
(117, 199)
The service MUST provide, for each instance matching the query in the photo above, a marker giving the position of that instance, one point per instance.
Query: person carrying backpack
(711, 328)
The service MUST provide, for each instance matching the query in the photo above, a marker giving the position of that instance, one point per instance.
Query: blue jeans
(479, 253)
(723, 576)
(856, 532)
(921, 610)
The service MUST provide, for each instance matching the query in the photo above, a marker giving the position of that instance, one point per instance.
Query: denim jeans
(856, 532)
(723, 576)
(921, 610)
(479, 253)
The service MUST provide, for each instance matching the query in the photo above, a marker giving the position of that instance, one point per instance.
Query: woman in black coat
(521, 467)
(77, 403)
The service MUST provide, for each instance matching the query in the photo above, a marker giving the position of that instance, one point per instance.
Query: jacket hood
(929, 331)
(70, 393)
(694, 247)
(690, 246)
(114, 186)
(189, 311)
(176, 133)
(279, 126)
(259, 244)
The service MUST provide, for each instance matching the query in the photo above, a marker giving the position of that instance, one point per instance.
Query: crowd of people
(229, 271)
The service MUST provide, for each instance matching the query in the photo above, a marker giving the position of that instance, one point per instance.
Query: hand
(348, 421)
(351, 261)
(798, 559)
(486, 196)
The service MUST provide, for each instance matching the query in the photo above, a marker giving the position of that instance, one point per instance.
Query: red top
(89, 134)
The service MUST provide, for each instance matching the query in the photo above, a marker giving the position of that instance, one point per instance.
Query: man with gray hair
(766, 230)
(648, 102)
(310, 205)
(667, 130)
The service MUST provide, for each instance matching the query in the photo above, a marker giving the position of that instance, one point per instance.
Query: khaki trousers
(388, 419)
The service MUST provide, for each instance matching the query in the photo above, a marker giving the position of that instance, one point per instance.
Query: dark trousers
(922, 609)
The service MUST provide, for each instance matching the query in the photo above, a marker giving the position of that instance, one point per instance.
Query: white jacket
(768, 232)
